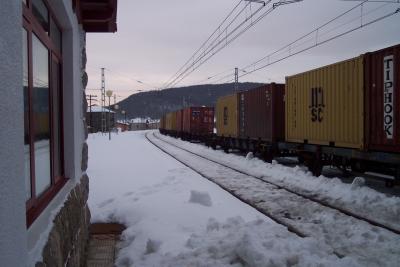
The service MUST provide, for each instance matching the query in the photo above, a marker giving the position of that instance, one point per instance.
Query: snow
(359, 199)
(99, 109)
(174, 217)
(202, 198)
(366, 244)
(144, 120)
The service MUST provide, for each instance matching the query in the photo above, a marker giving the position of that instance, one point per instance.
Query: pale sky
(155, 38)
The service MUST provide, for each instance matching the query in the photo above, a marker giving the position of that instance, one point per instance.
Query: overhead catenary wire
(289, 48)
(208, 39)
(227, 41)
(210, 46)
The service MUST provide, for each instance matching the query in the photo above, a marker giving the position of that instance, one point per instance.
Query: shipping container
(162, 122)
(179, 120)
(170, 121)
(382, 101)
(227, 116)
(198, 120)
(262, 113)
(325, 106)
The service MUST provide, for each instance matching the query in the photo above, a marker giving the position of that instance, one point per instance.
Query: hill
(155, 103)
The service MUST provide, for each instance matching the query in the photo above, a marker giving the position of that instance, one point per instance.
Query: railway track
(277, 202)
(274, 218)
(308, 197)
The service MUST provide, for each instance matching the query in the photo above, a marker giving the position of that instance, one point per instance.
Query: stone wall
(68, 239)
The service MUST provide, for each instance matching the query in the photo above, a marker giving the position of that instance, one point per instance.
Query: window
(42, 64)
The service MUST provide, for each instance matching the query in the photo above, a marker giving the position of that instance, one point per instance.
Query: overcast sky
(155, 38)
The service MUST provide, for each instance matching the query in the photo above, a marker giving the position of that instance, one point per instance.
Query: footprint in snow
(105, 203)
(202, 198)
(128, 194)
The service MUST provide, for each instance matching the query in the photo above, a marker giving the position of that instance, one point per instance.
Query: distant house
(99, 119)
(44, 188)
(124, 126)
(139, 124)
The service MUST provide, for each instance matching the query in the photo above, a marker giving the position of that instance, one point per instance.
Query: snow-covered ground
(354, 197)
(175, 217)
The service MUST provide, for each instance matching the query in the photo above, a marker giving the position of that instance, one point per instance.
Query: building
(44, 217)
(124, 126)
(94, 117)
(139, 124)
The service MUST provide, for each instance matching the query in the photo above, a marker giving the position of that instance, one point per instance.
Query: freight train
(346, 114)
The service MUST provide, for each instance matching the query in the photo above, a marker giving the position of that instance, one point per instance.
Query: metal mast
(103, 102)
(236, 79)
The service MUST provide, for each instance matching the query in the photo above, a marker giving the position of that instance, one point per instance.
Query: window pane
(55, 34)
(41, 13)
(56, 100)
(26, 115)
(40, 66)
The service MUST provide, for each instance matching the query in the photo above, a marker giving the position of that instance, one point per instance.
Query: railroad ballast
(345, 114)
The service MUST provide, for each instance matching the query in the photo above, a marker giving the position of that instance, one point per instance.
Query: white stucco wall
(73, 125)
(12, 184)
(20, 246)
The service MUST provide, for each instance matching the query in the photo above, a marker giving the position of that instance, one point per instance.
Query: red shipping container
(262, 113)
(179, 120)
(382, 99)
(198, 120)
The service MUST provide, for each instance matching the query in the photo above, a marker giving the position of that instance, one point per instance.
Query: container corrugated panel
(168, 121)
(179, 120)
(174, 121)
(325, 106)
(162, 122)
(198, 120)
(227, 116)
(382, 101)
(262, 113)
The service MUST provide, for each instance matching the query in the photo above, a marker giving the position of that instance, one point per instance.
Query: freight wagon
(345, 114)
(198, 123)
(193, 123)
(252, 120)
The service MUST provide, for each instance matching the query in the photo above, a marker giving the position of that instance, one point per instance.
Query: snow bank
(237, 243)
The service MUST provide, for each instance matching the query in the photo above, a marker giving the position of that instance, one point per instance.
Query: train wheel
(313, 163)
(389, 183)
(317, 168)
(358, 166)
(213, 145)
(267, 155)
(301, 160)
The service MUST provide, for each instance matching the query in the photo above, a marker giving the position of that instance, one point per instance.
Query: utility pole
(109, 94)
(103, 102)
(236, 79)
(90, 98)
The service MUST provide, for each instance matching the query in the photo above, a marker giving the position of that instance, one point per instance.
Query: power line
(208, 39)
(226, 41)
(317, 40)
